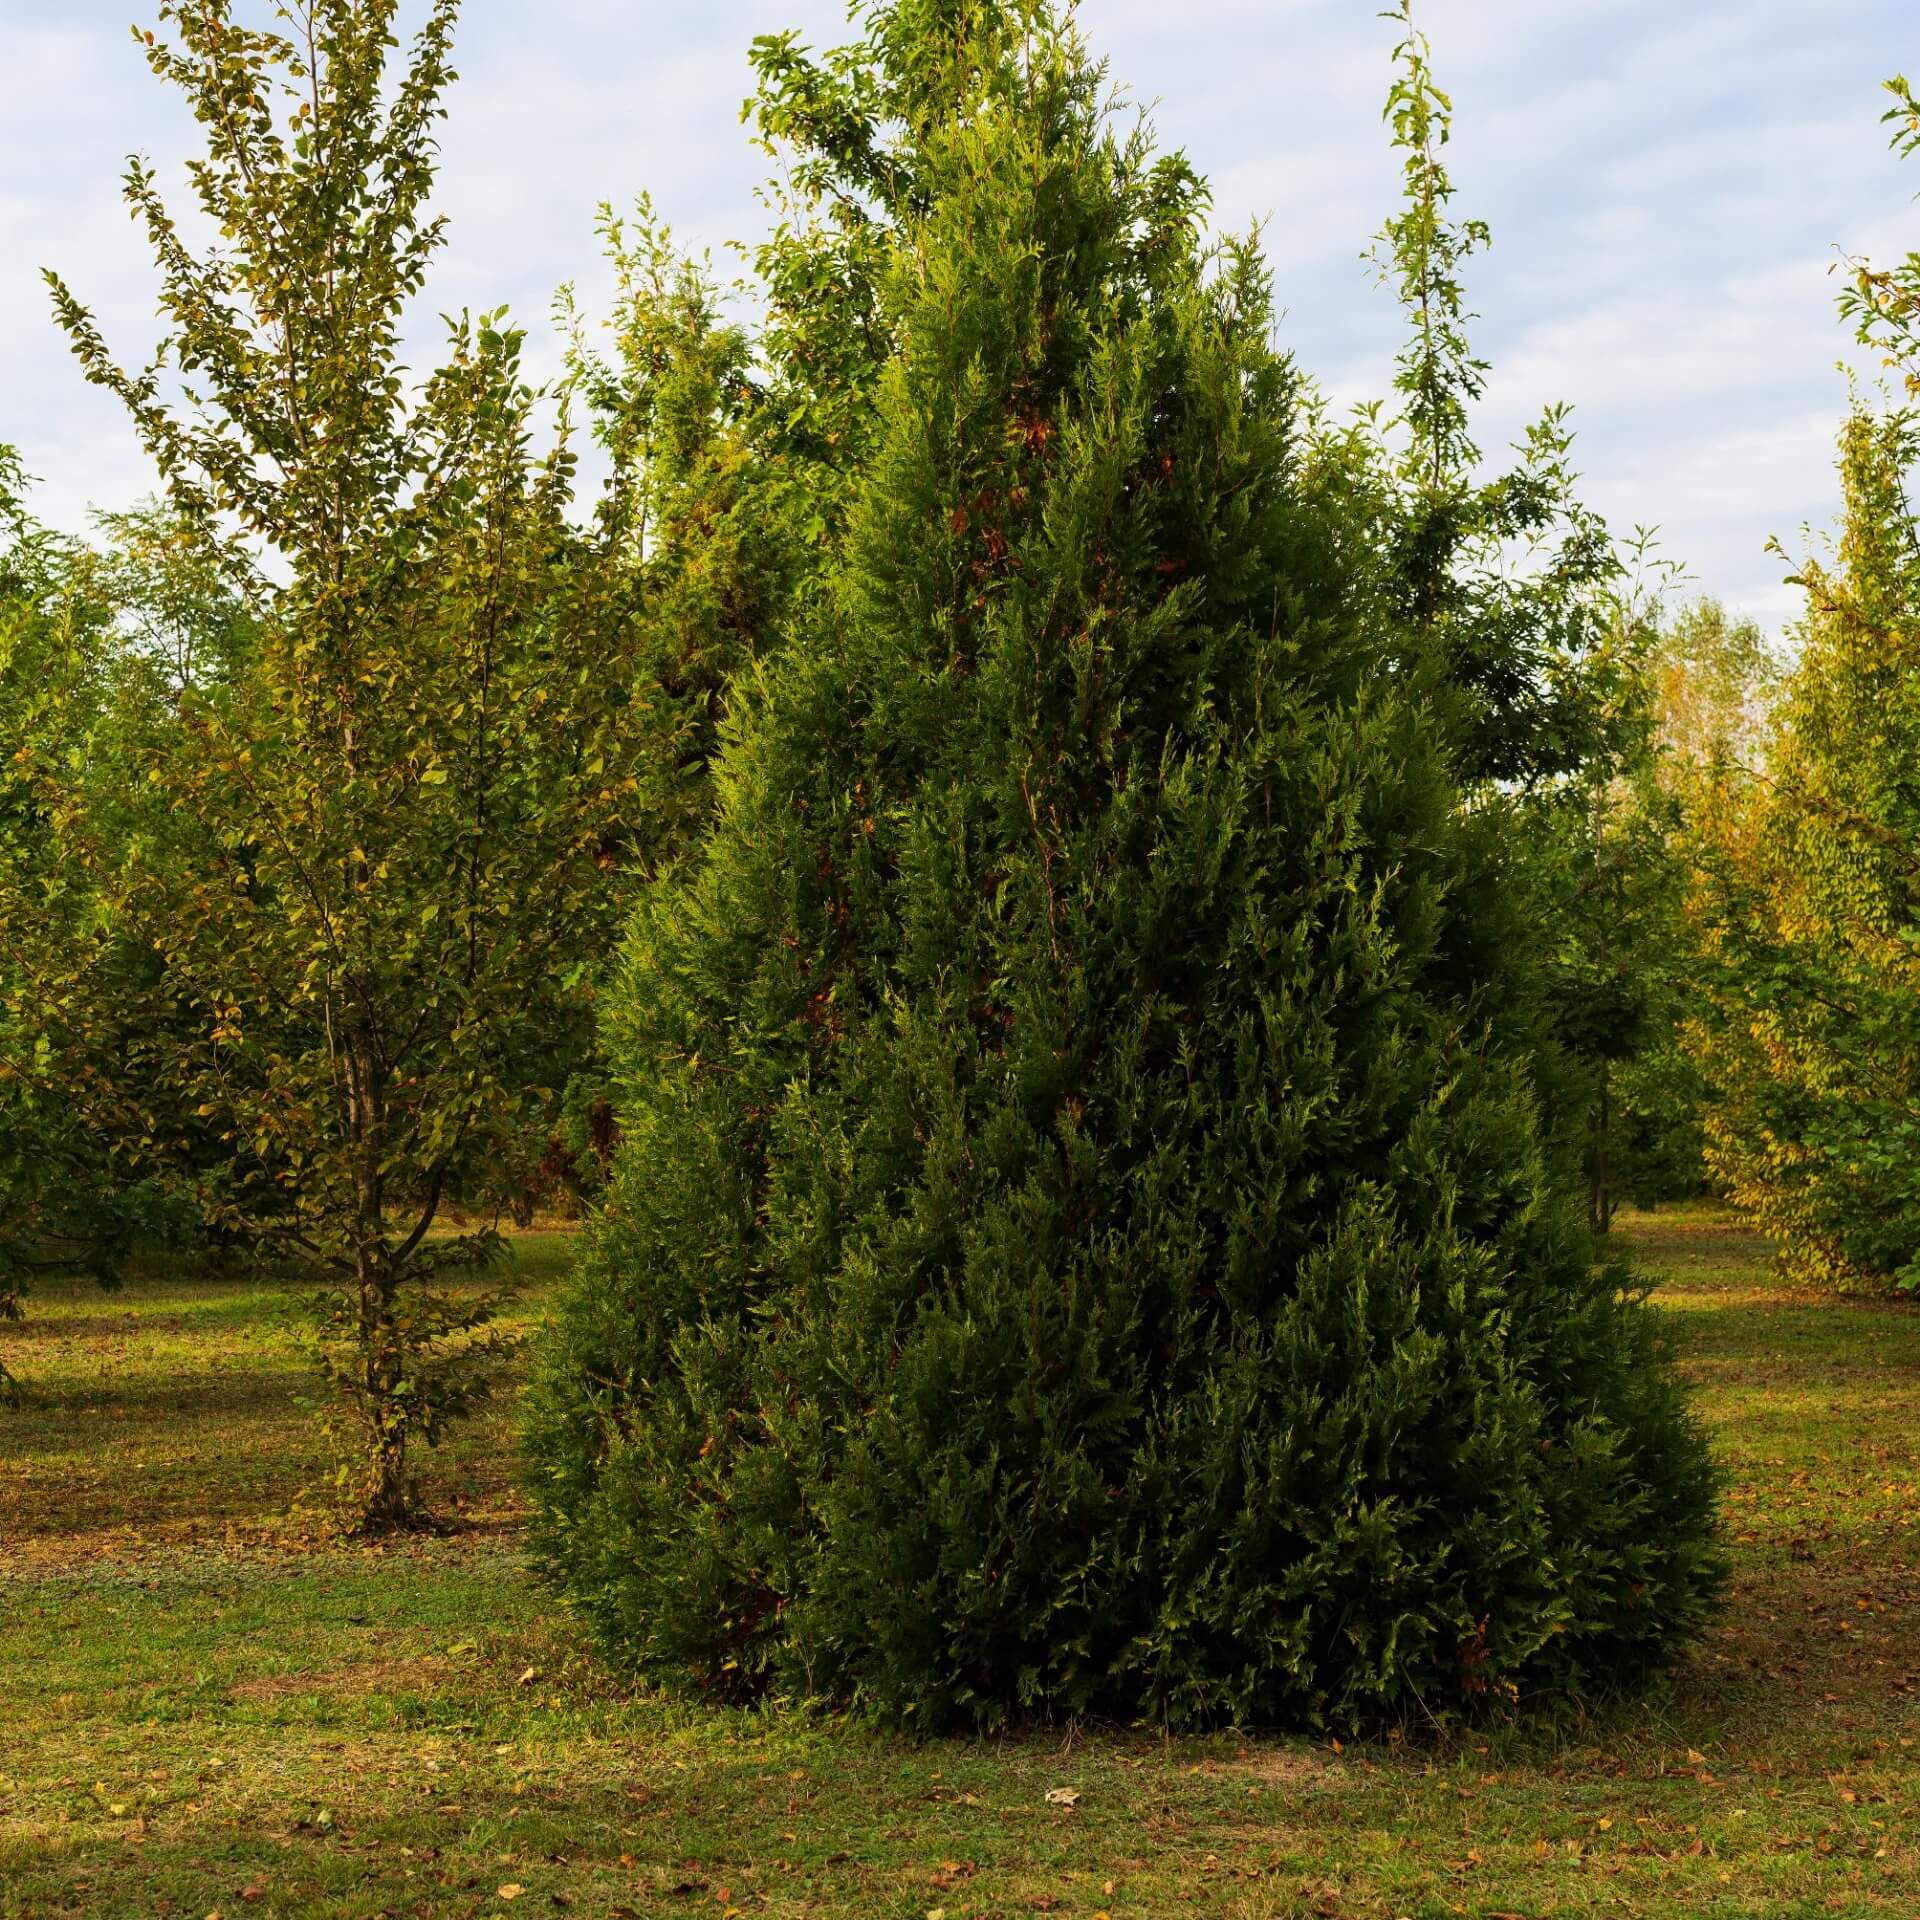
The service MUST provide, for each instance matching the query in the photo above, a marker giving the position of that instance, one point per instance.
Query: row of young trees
(1129, 931)
(1808, 866)
(1781, 824)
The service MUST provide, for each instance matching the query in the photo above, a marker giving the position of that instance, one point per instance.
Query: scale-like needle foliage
(1082, 1239)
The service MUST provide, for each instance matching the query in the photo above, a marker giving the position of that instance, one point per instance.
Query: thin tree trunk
(387, 1500)
(1600, 1200)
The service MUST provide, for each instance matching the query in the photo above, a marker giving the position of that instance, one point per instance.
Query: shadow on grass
(416, 1728)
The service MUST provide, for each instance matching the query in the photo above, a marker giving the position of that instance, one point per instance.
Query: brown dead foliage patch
(1283, 1766)
(355, 1680)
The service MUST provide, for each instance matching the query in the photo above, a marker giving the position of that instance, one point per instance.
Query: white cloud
(1665, 185)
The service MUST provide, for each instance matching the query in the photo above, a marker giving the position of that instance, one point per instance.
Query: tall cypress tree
(1081, 1240)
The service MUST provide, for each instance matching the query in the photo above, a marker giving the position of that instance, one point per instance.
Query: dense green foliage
(81, 659)
(1159, 927)
(1083, 1238)
(51, 1209)
(1612, 871)
(722, 488)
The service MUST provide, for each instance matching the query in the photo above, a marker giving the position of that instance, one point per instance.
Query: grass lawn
(201, 1715)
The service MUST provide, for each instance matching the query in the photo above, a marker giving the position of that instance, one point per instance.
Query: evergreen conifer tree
(1081, 1239)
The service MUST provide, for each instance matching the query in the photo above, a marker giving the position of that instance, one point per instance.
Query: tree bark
(388, 1498)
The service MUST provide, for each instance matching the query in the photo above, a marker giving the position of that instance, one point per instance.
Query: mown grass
(202, 1712)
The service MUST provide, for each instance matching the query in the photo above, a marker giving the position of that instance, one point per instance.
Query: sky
(1669, 184)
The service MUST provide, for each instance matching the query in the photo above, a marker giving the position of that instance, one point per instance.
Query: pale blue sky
(1667, 182)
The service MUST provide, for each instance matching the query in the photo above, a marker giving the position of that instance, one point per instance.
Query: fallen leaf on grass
(511, 1891)
(1063, 1796)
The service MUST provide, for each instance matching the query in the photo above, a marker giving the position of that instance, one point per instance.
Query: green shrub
(1081, 1239)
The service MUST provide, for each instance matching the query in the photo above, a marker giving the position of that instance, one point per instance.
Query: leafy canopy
(379, 850)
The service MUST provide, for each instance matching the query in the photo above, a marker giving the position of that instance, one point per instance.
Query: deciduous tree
(1810, 866)
(384, 849)
(1809, 897)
